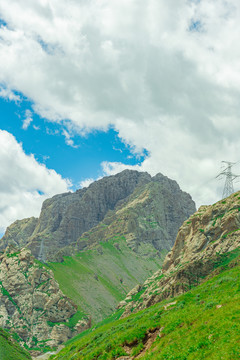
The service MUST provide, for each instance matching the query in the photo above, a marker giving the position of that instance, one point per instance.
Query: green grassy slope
(202, 324)
(96, 280)
(9, 349)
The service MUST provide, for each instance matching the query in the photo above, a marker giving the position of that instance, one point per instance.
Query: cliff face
(18, 233)
(116, 232)
(31, 303)
(125, 248)
(199, 248)
(148, 219)
(160, 209)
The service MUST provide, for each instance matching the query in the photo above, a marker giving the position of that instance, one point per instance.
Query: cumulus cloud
(166, 74)
(24, 183)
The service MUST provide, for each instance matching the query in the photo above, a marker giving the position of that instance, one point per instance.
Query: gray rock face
(19, 232)
(64, 218)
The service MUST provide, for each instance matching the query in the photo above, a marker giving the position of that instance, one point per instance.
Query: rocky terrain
(148, 219)
(123, 249)
(201, 324)
(31, 303)
(159, 206)
(176, 323)
(201, 243)
(115, 234)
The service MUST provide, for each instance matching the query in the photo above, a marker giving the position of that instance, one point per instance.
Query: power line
(228, 187)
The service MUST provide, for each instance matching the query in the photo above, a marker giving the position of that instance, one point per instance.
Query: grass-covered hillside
(96, 280)
(204, 323)
(10, 349)
(122, 250)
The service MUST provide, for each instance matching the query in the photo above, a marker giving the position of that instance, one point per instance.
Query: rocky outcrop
(147, 210)
(201, 241)
(19, 233)
(31, 303)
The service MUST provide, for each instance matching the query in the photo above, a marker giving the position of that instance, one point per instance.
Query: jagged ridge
(64, 218)
(202, 239)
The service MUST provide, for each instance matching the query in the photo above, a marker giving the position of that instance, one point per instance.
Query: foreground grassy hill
(201, 324)
(10, 349)
(97, 279)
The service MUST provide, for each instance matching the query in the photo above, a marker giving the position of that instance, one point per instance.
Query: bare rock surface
(18, 233)
(31, 303)
(151, 210)
(201, 240)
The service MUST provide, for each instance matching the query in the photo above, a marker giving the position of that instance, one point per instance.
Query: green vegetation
(72, 321)
(9, 348)
(13, 254)
(202, 324)
(96, 280)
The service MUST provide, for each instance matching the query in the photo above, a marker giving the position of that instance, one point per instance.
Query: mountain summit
(66, 217)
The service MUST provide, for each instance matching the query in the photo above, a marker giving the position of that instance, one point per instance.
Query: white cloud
(68, 139)
(9, 95)
(166, 74)
(22, 181)
(181, 154)
(86, 182)
(28, 119)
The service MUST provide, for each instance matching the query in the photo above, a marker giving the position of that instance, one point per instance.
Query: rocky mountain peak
(65, 217)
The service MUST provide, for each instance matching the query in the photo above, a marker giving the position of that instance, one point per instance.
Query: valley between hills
(124, 269)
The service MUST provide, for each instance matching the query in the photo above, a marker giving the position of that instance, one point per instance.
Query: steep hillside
(201, 276)
(202, 324)
(31, 303)
(97, 279)
(211, 231)
(100, 242)
(66, 217)
(10, 349)
(125, 248)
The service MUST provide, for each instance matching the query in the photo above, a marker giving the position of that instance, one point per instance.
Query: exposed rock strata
(31, 303)
(150, 210)
(19, 233)
(210, 232)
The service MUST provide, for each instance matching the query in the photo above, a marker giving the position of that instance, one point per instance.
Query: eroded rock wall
(161, 209)
(200, 243)
(31, 303)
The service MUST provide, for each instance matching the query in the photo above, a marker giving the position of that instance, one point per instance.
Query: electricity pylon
(228, 187)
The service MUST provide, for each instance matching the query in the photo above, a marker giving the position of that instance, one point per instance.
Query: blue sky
(46, 141)
(79, 161)
(88, 89)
